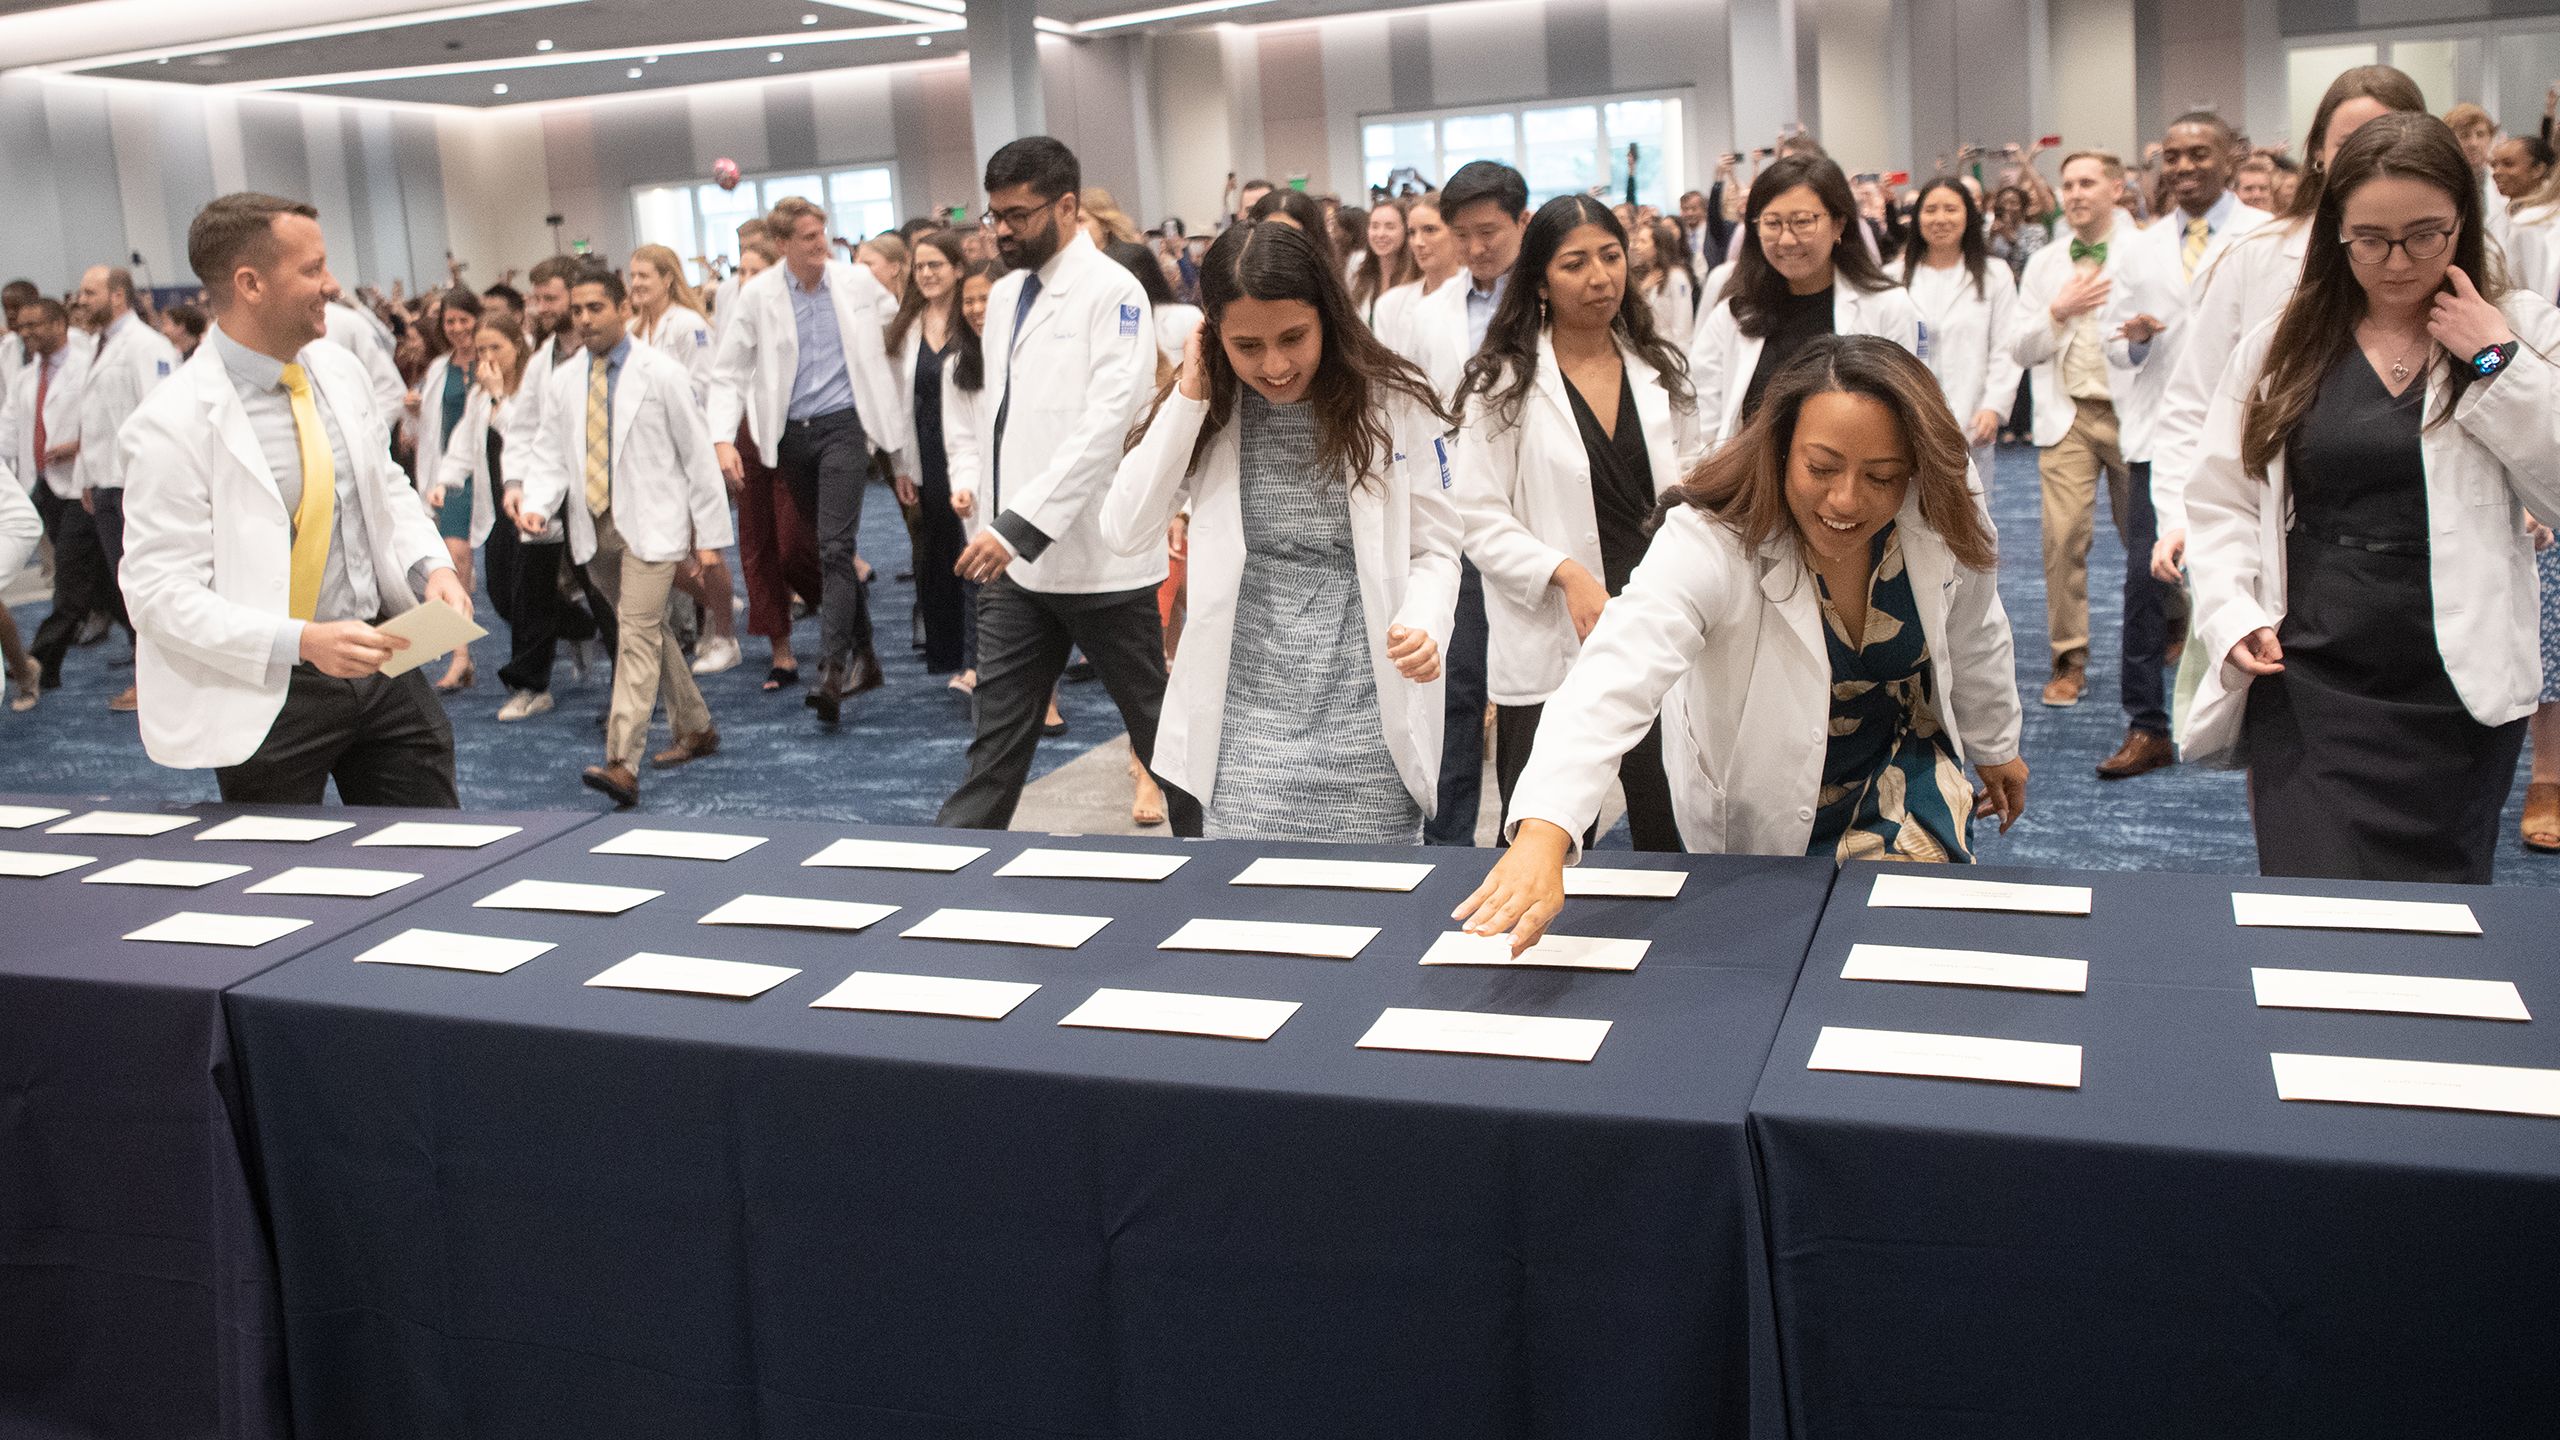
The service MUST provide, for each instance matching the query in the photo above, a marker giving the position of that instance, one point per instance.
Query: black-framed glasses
(1018, 217)
(1803, 225)
(2376, 249)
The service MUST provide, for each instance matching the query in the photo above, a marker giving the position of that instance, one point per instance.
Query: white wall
(2092, 47)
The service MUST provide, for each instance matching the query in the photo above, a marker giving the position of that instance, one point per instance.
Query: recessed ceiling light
(649, 60)
(498, 89)
(541, 44)
(808, 19)
(775, 58)
(631, 74)
(163, 60)
(924, 39)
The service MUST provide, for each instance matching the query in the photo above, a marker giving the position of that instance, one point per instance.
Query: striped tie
(316, 516)
(2197, 233)
(599, 439)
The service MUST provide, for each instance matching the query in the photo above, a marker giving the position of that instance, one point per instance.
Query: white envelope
(576, 899)
(2425, 1084)
(1271, 937)
(1333, 874)
(1933, 892)
(286, 829)
(2387, 994)
(1471, 1032)
(1225, 1016)
(1947, 1057)
(438, 835)
(693, 975)
(433, 629)
(121, 822)
(453, 950)
(1561, 952)
(175, 874)
(37, 864)
(1597, 881)
(791, 912)
(895, 855)
(333, 880)
(241, 932)
(2328, 912)
(1092, 865)
(1922, 965)
(679, 844)
(926, 995)
(19, 817)
(1008, 927)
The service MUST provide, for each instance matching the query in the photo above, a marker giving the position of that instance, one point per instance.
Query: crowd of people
(1691, 504)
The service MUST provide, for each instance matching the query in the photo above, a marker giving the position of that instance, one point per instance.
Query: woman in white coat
(1578, 416)
(1965, 301)
(443, 395)
(1313, 464)
(666, 315)
(1436, 262)
(968, 411)
(1819, 626)
(2361, 568)
(1660, 265)
(1803, 271)
(923, 340)
(496, 424)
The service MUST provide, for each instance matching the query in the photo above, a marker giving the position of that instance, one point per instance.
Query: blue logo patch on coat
(701, 339)
(1441, 448)
(164, 368)
(1128, 319)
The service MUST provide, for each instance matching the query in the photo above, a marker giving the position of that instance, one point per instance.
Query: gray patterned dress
(1301, 755)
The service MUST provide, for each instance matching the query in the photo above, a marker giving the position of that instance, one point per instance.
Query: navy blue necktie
(995, 452)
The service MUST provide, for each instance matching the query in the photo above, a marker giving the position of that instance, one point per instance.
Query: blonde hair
(1110, 223)
(787, 214)
(2109, 163)
(680, 291)
(2467, 115)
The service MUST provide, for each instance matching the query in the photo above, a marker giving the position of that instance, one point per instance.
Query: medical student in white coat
(1803, 271)
(1577, 418)
(132, 359)
(1966, 302)
(1310, 457)
(1435, 263)
(2363, 579)
(42, 404)
(666, 312)
(1819, 627)
(498, 427)
(968, 412)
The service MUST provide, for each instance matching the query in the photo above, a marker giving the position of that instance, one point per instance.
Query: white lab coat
(1964, 340)
(668, 497)
(1721, 357)
(2498, 455)
(1174, 324)
(14, 356)
(966, 415)
(1436, 335)
(2136, 377)
(131, 361)
(684, 336)
(1392, 313)
(1725, 643)
(2532, 240)
(2246, 286)
(366, 338)
(758, 356)
(208, 552)
(1675, 310)
(426, 428)
(1524, 493)
(466, 460)
(20, 529)
(1404, 538)
(61, 422)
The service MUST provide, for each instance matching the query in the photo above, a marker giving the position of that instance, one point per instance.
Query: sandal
(1146, 807)
(781, 677)
(456, 684)
(2542, 817)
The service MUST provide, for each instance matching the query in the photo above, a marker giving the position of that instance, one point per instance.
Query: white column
(1004, 75)
(1763, 57)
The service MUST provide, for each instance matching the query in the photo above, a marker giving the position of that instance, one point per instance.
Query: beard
(1029, 252)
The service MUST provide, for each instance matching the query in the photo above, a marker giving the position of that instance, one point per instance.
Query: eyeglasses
(1802, 225)
(1017, 218)
(2376, 250)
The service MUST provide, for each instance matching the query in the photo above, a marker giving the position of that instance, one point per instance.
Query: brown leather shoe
(614, 780)
(128, 702)
(2064, 688)
(687, 747)
(2141, 753)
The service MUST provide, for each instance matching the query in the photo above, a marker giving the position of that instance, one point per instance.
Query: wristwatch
(2492, 359)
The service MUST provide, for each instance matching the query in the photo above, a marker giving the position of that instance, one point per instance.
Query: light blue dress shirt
(821, 385)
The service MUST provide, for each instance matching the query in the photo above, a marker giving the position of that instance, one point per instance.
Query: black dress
(1799, 320)
(2363, 762)
(939, 539)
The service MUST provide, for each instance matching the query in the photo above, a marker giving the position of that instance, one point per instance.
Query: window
(2502, 65)
(700, 222)
(1560, 149)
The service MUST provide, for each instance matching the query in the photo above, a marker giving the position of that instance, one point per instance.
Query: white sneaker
(525, 704)
(714, 655)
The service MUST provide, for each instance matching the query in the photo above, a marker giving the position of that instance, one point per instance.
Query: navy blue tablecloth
(137, 1293)
(517, 1206)
(2169, 1250)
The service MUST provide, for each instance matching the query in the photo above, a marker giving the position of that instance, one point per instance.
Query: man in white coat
(269, 533)
(131, 361)
(40, 438)
(1071, 362)
(649, 499)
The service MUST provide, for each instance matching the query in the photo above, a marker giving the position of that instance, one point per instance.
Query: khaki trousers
(2070, 470)
(649, 662)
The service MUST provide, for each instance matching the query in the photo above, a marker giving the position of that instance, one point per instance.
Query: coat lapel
(230, 418)
(1653, 408)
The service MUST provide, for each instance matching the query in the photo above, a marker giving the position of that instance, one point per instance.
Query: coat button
(1805, 813)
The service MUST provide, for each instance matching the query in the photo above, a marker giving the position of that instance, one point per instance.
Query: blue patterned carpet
(900, 749)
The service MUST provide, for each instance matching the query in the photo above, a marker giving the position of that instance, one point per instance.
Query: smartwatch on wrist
(2492, 359)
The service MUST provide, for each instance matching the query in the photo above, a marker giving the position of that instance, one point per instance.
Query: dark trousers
(1462, 703)
(940, 597)
(1023, 640)
(825, 463)
(1650, 823)
(538, 616)
(2145, 689)
(386, 742)
(81, 582)
(775, 548)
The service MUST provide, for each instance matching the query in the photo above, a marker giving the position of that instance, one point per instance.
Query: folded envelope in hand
(434, 630)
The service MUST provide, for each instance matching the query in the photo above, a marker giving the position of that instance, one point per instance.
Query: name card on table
(1595, 882)
(1271, 937)
(791, 912)
(2327, 912)
(174, 874)
(2421, 1084)
(240, 932)
(1471, 1032)
(1932, 892)
(1946, 1057)
(679, 845)
(2388, 994)
(333, 880)
(1333, 874)
(895, 855)
(1560, 952)
(1092, 865)
(926, 995)
(438, 835)
(121, 822)
(1008, 927)
(37, 864)
(453, 950)
(693, 975)
(280, 829)
(19, 817)
(1921, 965)
(1224, 1017)
(562, 895)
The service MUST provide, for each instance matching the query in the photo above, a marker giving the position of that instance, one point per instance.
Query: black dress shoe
(1079, 672)
(867, 675)
(827, 696)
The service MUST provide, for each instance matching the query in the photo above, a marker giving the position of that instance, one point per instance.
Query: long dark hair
(968, 359)
(1356, 375)
(1977, 250)
(2378, 83)
(1671, 253)
(2318, 327)
(1303, 212)
(1511, 337)
(1744, 483)
(911, 305)
(1757, 290)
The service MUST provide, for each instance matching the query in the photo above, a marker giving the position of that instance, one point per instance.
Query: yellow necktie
(2197, 233)
(316, 517)
(599, 439)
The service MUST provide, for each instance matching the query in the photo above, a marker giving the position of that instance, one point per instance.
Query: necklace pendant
(2399, 371)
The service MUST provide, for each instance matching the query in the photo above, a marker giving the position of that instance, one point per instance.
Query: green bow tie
(2083, 250)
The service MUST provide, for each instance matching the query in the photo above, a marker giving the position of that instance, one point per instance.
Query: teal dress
(1892, 787)
(453, 518)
